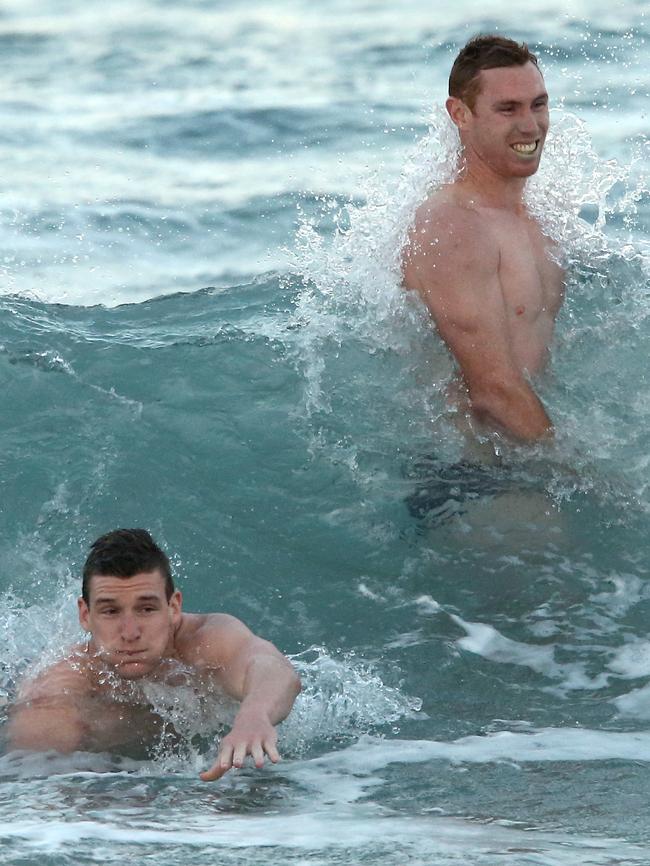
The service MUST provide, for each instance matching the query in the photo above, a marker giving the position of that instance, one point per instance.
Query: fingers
(240, 755)
(257, 753)
(234, 756)
(211, 775)
(256, 750)
(223, 763)
(272, 752)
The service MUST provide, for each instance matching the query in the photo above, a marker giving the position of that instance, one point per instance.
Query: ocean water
(202, 332)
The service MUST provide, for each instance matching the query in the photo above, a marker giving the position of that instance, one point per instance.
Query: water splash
(353, 309)
(353, 276)
(580, 199)
(35, 634)
(352, 281)
(341, 698)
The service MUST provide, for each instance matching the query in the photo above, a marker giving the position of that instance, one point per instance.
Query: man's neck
(488, 189)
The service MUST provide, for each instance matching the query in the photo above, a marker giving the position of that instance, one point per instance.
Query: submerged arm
(46, 715)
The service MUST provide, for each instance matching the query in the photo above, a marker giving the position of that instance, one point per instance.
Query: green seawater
(202, 332)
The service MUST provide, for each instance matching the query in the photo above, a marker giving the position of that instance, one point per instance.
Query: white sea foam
(345, 818)
(443, 840)
(566, 744)
(635, 704)
(486, 641)
(632, 660)
(77, 766)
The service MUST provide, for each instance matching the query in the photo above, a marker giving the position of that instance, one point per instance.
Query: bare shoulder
(208, 638)
(453, 211)
(65, 679)
(49, 709)
(449, 236)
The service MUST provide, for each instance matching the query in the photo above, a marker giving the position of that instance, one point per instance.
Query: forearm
(513, 407)
(42, 730)
(270, 687)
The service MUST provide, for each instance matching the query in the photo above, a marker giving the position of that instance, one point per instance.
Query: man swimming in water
(137, 631)
(479, 261)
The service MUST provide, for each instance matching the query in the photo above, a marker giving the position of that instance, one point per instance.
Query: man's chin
(525, 166)
(133, 672)
(131, 668)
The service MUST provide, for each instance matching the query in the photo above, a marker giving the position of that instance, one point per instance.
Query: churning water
(202, 332)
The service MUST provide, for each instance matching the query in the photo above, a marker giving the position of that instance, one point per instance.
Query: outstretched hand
(255, 737)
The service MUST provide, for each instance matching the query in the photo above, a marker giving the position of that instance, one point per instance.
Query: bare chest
(133, 717)
(531, 279)
(120, 725)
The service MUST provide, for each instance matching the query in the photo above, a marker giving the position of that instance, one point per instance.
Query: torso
(116, 714)
(532, 284)
(110, 724)
(531, 280)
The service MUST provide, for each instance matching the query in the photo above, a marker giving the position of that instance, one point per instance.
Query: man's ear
(83, 614)
(459, 112)
(176, 605)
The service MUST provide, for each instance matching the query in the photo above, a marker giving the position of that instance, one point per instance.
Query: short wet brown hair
(484, 52)
(125, 553)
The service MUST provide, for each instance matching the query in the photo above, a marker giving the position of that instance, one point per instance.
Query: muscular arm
(454, 264)
(254, 672)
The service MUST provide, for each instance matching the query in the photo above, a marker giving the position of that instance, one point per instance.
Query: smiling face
(131, 622)
(505, 130)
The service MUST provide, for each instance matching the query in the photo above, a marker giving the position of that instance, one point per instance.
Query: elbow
(498, 390)
(489, 396)
(295, 684)
(513, 407)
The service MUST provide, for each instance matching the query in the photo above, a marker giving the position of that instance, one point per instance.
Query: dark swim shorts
(443, 490)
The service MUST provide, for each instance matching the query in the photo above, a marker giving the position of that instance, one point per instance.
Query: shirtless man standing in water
(479, 261)
(137, 631)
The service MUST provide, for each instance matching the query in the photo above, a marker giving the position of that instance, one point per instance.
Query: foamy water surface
(202, 331)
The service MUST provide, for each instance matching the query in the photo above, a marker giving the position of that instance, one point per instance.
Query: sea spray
(353, 305)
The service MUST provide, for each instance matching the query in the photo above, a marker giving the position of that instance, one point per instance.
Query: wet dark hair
(484, 52)
(125, 553)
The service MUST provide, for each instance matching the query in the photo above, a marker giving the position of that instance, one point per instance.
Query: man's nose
(527, 123)
(130, 629)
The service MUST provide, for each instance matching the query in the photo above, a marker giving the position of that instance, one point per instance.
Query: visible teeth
(525, 148)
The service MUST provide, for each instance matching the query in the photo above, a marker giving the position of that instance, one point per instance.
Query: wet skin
(131, 623)
(482, 265)
(86, 701)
